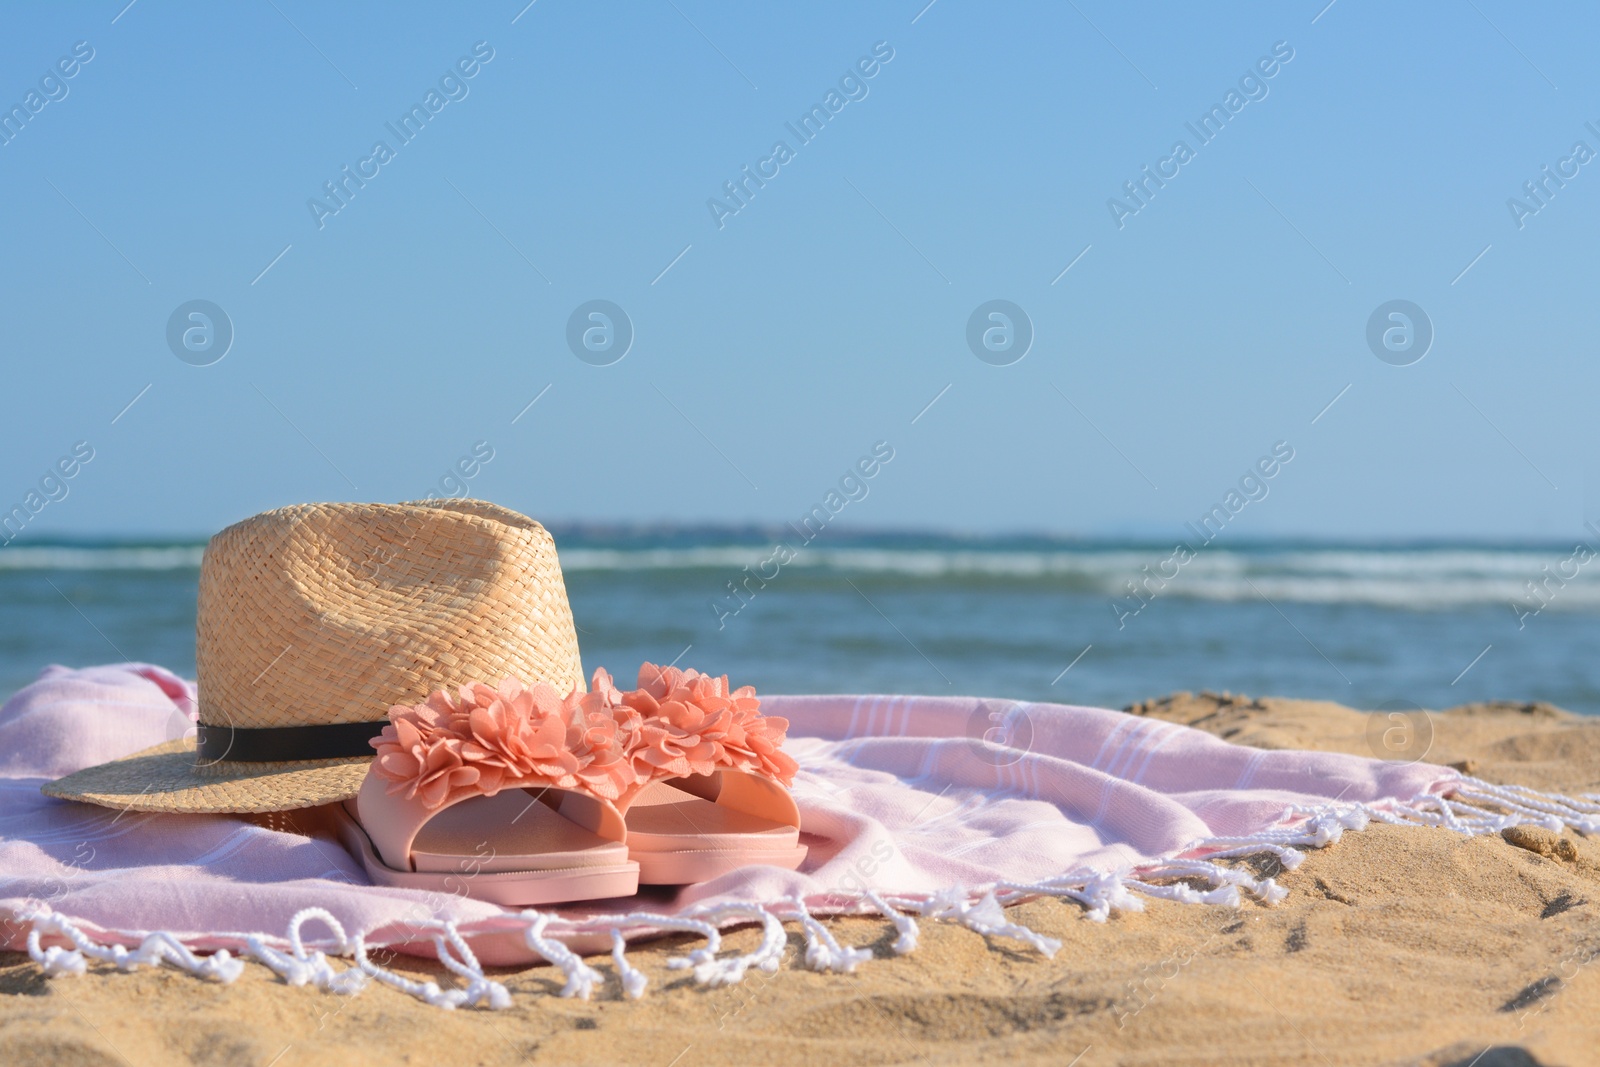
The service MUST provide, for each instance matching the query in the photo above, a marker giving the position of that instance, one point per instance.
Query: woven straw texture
(165, 779)
(331, 613)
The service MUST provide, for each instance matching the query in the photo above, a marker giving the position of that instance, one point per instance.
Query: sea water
(1088, 622)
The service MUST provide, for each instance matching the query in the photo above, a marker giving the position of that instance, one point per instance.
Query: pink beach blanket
(911, 799)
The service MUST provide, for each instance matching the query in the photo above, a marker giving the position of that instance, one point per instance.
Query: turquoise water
(1028, 618)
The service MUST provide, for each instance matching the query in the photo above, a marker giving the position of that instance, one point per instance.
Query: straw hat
(314, 619)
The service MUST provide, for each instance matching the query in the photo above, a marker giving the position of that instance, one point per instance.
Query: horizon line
(757, 532)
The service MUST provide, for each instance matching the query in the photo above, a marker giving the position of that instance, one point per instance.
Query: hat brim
(165, 779)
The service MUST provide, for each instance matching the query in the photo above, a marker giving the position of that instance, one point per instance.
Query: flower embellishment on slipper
(609, 741)
(681, 722)
(481, 736)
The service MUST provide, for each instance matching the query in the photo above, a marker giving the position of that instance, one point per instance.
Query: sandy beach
(496, 480)
(1396, 945)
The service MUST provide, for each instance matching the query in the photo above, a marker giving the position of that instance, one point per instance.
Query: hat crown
(330, 613)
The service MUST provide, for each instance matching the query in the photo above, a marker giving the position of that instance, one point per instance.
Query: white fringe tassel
(1468, 809)
(823, 951)
(904, 924)
(300, 967)
(581, 978)
(155, 949)
(712, 971)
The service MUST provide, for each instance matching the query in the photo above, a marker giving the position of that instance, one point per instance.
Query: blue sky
(374, 351)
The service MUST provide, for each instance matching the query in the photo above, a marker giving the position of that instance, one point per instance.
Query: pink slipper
(501, 793)
(711, 795)
(686, 830)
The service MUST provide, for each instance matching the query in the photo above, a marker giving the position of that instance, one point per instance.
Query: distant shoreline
(669, 534)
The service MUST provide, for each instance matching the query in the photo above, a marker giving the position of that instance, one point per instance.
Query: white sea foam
(1403, 578)
(1420, 579)
(61, 558)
